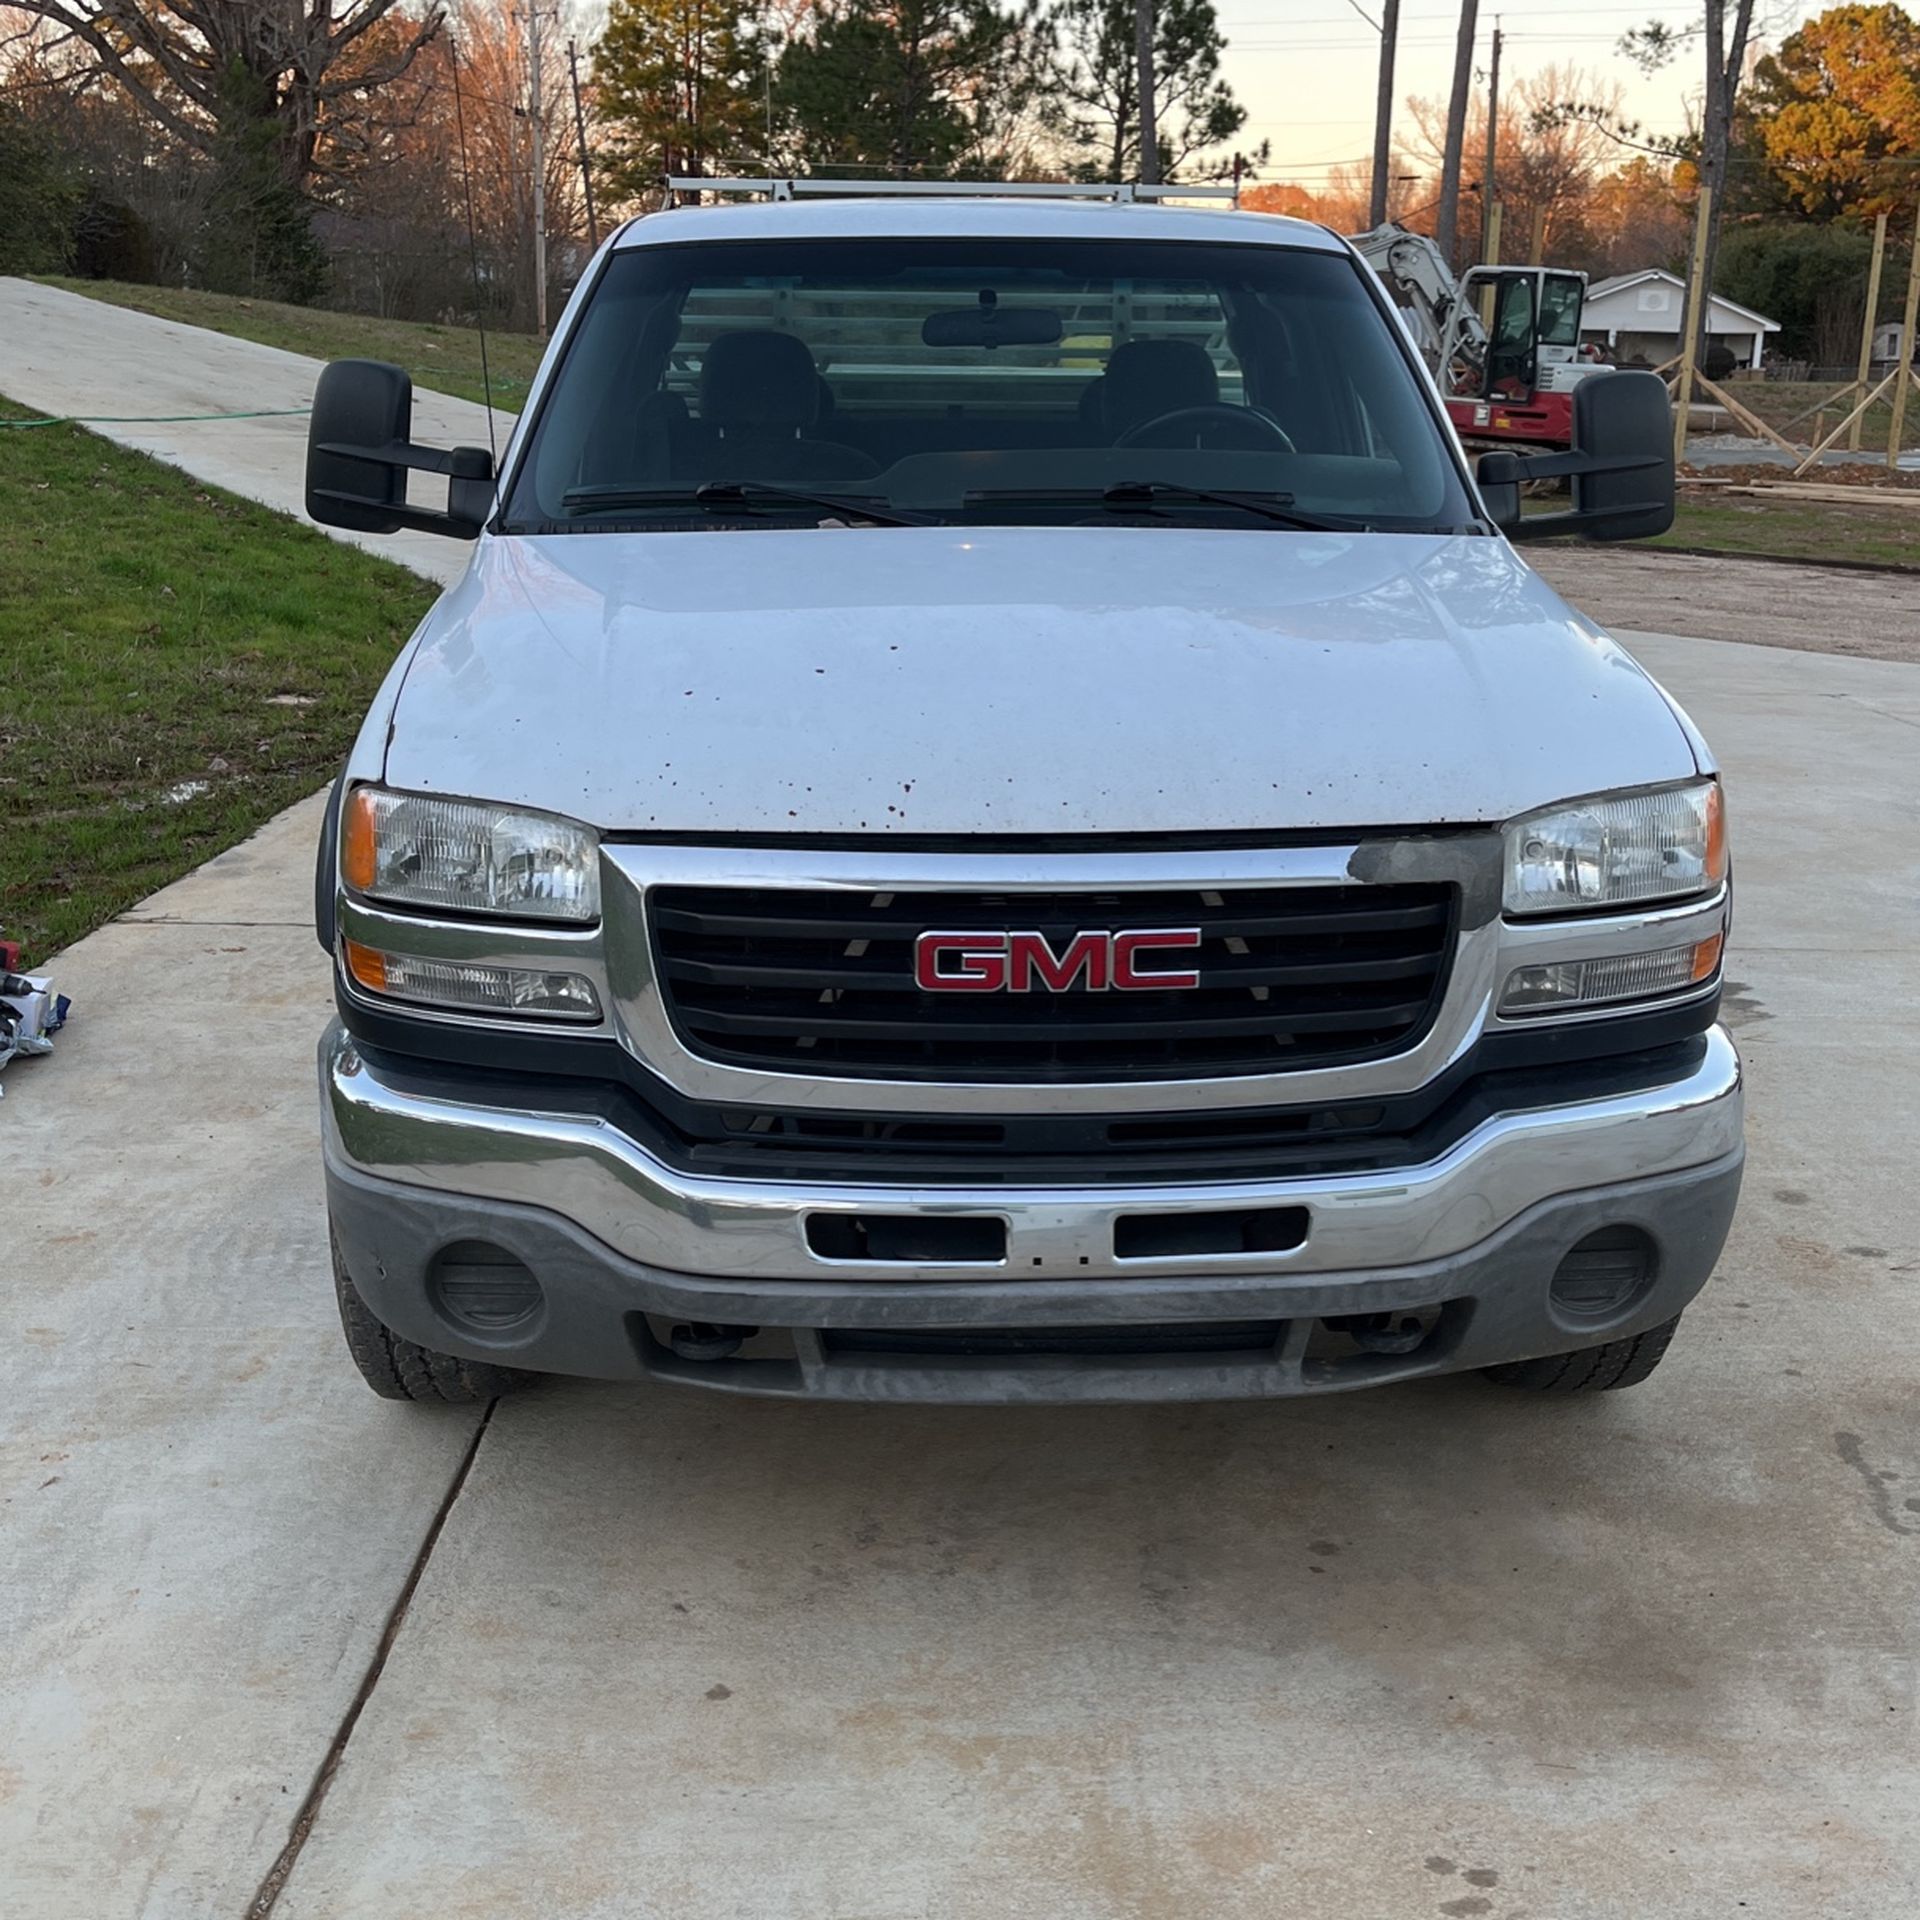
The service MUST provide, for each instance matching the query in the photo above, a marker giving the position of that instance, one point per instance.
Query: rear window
(983, 380)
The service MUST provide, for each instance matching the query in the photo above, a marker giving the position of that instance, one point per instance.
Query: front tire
(1617, 1363)
(398, 1369)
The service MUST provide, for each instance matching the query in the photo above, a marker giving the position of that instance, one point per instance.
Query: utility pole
(536, 113)
(1446, 223)
(580, 131)
(1489, 225)
(1149, 123)
(1383, 114)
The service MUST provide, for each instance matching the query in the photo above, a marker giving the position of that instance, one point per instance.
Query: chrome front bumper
(594, 1176)
(624, 1247)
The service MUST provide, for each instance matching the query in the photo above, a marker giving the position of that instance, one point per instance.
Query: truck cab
(998, 817)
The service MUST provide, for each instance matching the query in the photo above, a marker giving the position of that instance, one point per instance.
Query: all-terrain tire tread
(1602, 1369)
(399, 1369)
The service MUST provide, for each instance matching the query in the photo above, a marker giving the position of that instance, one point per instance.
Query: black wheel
(1618, 1363)
(397, 1369)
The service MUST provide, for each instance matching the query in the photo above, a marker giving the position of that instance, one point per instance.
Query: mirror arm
(411, 519)
(1545, 526)
(1561, 466)
(417, 459)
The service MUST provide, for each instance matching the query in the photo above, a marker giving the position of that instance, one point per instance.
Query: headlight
(1621, 850)
(465, 857)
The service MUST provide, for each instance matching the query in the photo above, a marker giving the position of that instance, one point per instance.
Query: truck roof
(965, 217)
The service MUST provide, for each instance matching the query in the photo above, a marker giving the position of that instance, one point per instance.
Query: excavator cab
(1512, 381)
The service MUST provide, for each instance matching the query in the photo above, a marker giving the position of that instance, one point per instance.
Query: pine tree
(679, 86)
(904, 88)
(1095, 101)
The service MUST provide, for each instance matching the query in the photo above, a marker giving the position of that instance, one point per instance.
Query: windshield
(985, 381)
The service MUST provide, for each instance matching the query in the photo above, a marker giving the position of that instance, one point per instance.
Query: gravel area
(1870, 616)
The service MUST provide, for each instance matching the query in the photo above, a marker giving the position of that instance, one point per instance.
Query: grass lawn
(1881, 536)
(180, 665)
(447, 359)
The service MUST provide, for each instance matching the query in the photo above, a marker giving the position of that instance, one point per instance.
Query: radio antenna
(473, 245)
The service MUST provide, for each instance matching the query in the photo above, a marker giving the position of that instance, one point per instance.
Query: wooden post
(1690, 323)
(1745, 415)
(1873, 313)
(1820, 446)
(1904, 382)
(1493, 220)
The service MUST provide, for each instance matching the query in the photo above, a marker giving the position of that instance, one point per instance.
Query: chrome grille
(821, 981)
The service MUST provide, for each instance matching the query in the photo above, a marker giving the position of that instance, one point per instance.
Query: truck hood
(1019, 680)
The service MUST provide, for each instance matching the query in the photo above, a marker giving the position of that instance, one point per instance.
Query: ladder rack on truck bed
(1120, 192)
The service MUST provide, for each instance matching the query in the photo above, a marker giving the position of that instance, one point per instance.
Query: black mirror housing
(1621, 466)
(360, 451)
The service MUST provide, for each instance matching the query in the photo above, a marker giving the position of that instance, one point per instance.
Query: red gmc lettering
(1127, 945)
(979, 962)
(1018, 962)
(1029, 954)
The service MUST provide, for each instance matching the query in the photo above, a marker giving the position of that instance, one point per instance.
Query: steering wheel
(1254, 431)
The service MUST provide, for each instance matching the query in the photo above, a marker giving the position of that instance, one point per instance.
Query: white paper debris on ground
(31, 1013)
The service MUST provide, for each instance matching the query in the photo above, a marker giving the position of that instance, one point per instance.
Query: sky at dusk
(1306, 69)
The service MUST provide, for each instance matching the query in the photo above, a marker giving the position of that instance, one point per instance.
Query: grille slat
(883, 973)
(818, 916)
(822, 981)
(970, 1025)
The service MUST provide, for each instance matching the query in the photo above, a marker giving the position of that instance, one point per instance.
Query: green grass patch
(446, 359)
(1880, 536)
(180, 665)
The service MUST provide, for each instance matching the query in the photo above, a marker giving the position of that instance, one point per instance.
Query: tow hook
(704, 1341)
(1381, 1333)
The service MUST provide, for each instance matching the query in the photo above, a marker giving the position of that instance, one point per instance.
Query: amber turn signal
(358, 853)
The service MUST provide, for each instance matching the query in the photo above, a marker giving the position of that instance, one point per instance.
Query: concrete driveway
(172, 391)
(270, 1643)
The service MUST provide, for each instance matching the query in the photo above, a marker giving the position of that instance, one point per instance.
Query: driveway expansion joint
(277, 1875)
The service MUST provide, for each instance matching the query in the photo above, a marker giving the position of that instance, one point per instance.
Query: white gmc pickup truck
(997, 818)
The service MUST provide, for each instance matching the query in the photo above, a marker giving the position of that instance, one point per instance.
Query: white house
(1637, 316)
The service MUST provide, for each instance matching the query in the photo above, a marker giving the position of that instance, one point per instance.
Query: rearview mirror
(1621, 466)
(360, 451)
(988, 325)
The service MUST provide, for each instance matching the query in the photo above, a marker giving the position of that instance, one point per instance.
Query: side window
(1561, 297)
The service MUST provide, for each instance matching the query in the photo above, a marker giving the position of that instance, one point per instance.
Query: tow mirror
(1621, 466)
(360, 451)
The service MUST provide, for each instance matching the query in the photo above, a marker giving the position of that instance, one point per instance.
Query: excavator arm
(1445, 321)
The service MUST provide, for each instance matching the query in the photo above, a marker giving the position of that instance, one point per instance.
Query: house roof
(1620, 282)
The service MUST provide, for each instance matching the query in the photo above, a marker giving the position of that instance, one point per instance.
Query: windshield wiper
(1277, 507)
(730, 496)
(1134, 496)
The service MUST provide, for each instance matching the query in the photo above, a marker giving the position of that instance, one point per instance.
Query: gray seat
(759, 397)
(1147, 378)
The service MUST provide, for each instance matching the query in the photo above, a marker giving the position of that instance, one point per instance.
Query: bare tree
(1653, 46)
(256, 86)
(199, 66)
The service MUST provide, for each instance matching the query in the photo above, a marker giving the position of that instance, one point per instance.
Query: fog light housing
(1565, 984)
(1604, 1273)
(463, 986)
(483, 1287)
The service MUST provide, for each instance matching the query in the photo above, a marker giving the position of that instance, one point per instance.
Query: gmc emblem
(1019, 962)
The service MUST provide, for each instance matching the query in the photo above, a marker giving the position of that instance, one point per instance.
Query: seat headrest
(1146, 378)
(759, 378)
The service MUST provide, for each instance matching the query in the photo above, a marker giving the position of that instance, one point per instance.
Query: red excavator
(1503, 342)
